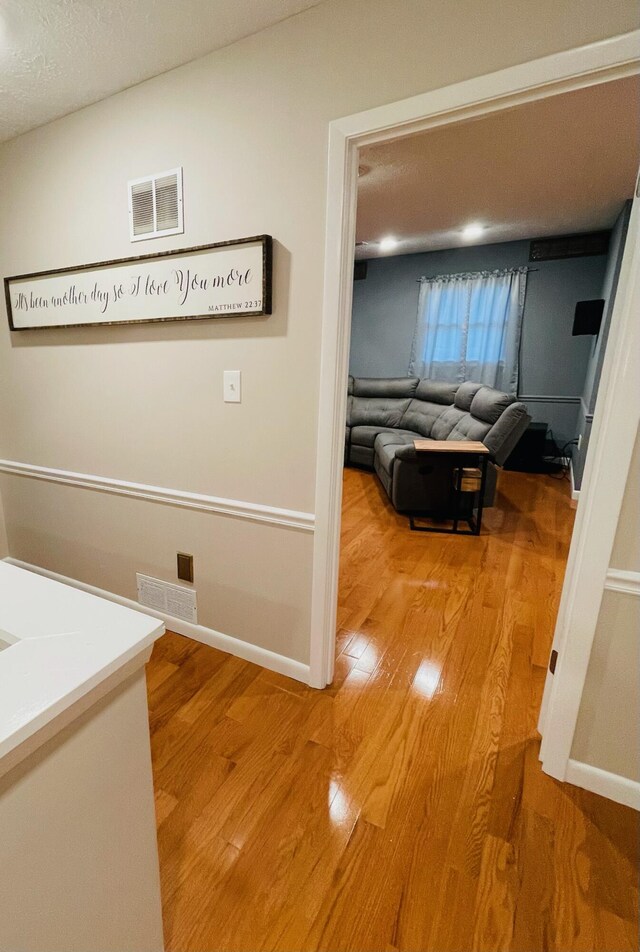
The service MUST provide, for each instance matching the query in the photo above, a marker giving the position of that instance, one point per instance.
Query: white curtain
(468, 328)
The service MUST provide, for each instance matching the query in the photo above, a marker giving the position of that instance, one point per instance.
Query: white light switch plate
(232, 386)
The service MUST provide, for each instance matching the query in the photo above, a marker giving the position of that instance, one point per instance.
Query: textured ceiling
(59, 55)
(560, 165)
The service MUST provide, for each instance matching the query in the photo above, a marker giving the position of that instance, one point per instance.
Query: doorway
(554, 75)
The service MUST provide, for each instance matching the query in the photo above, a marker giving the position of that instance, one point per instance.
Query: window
(468, 328)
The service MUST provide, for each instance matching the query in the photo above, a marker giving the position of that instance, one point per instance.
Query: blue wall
(599, 343)
(553, 363)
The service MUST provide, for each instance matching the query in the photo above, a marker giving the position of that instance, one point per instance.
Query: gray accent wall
(553, 363)
(599, 343)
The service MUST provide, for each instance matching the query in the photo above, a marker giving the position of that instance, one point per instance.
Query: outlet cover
(170, 599)
(185, 567)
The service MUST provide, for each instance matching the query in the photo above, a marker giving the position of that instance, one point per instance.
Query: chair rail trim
(235, 508)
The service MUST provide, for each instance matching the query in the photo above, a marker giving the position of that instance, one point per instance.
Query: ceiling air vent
(155, 205)
(569, 246)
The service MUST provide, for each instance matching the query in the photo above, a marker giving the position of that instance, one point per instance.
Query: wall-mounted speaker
(588, 317)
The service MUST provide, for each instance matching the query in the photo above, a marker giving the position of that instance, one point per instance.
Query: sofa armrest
(407, 452)
(506, 431)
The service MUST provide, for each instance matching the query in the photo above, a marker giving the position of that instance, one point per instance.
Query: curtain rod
(454, 274)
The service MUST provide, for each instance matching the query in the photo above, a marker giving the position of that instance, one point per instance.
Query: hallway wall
(249, 125)
(608, 729)
(4, 546)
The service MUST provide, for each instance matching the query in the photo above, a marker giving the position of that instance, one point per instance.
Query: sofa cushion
(436, 391)
(377, 411)
(489, 404)
(386, 445)
(366, 435)
(420, 416)
(457, 424)
(384, 386)
(465, 394)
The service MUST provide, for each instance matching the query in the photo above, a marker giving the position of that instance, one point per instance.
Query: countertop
(62, 644)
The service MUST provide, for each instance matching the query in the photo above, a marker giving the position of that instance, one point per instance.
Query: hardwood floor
(403, 808)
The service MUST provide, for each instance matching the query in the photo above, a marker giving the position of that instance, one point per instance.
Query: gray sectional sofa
(385, 416)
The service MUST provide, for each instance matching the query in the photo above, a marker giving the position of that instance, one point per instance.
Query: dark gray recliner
(385, 416)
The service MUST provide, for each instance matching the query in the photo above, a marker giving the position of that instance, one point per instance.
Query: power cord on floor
(562, 456)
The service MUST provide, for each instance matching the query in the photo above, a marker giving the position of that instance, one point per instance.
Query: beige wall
(626, 546)
(4, 547)
(249, 126)
(244, 588)
(608, 728)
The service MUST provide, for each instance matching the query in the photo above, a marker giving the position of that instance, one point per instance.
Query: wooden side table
(469, 452)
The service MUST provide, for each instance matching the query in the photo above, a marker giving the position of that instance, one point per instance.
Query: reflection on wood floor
(403, 808)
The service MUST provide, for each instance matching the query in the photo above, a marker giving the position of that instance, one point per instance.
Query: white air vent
(167, 598)
(155, 205)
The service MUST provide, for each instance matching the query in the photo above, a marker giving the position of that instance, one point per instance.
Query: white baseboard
(575, 493)
(207, 636)
(609, 785)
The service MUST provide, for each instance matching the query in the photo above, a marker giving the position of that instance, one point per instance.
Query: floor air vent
(165, 597)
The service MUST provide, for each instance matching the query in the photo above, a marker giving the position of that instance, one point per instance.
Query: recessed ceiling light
(388, 243)
(472, 231)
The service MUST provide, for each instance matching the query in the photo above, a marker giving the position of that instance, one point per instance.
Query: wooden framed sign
(227, 279)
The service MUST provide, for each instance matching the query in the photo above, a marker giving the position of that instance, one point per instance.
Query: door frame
(610, 59)
(589, 572)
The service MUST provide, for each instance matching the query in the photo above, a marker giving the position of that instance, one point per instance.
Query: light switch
(232, 386)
